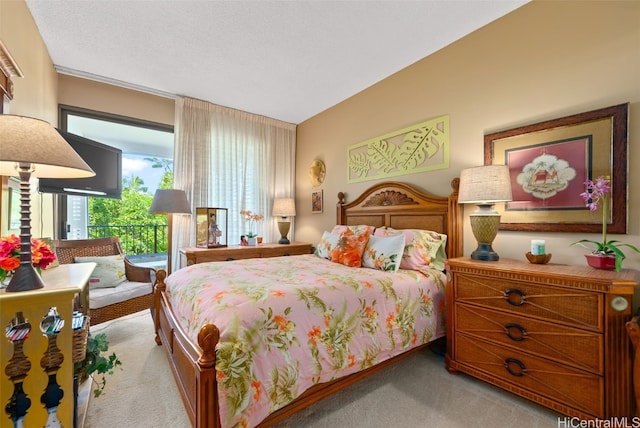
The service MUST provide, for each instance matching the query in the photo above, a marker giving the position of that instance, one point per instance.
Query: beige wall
(34, 95)
(105, 98)
(39, 92)
(543, 61)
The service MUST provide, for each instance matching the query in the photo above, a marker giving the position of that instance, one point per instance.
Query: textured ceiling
(287, 60)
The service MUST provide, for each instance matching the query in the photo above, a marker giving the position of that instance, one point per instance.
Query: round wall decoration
(317, 171)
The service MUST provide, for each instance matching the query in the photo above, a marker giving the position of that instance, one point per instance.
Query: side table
(26, 312)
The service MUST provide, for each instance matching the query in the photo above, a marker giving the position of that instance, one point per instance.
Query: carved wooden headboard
(402, 206)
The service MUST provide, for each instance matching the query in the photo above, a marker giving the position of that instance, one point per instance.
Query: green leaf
(95, 363)
(381, 155)
(416, 149)
(359, 164)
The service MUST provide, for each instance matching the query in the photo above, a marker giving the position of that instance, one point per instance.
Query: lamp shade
(34, 142)
(284, 207)
(33, 148)
(485, 185)
(170, 201)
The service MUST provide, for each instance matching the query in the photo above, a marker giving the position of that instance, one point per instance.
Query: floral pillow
(327, 243)
(109, 271)
(384, 253)
(422, 249)
(350, 248)
(357, 230)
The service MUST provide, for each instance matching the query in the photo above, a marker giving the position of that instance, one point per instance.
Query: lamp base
(485, 253)
(25, 278)
(283, 227)
(484, 225)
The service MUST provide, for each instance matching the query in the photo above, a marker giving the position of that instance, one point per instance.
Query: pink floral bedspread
(287, 323)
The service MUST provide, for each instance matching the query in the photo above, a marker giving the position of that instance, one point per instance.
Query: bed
(194, 350)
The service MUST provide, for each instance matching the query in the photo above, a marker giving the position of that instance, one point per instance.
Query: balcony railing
(136, 239)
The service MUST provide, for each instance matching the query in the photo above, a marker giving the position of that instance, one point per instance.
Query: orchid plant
(597, 193)
(252, 218)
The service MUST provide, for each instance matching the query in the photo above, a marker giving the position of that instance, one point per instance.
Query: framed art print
(316, 202)
(549, 163)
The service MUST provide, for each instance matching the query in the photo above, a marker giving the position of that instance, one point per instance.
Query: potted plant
(253, 219)
(598, 191)
(96, 362)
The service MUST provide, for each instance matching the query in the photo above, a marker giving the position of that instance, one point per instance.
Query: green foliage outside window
(117, 217)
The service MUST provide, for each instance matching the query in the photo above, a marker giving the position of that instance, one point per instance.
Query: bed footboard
(193, 367)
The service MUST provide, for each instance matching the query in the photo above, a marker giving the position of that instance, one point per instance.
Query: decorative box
(211, 227)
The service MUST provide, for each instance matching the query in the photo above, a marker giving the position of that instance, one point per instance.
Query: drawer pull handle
(515, 367)
(230, 259)
(519, 298)
(519, 331)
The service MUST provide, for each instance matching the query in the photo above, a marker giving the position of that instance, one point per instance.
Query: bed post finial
(339, 208)
(208, 338)
(455, 244)
(455, 185)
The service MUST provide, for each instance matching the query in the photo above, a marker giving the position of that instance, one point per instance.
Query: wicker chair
(68, 250)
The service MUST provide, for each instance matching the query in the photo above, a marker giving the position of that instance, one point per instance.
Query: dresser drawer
(227, 255)
(566, 345)
(563, 305)
(286, 250)
(575, 388)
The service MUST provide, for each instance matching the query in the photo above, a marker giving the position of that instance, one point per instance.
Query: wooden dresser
(554, 334)
(191, 256)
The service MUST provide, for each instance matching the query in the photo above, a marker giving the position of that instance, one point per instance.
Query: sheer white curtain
(227, 158)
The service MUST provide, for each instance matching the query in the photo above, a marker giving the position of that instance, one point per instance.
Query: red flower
(9, 263)
(314, 335)
(281, 322)
(41, 254)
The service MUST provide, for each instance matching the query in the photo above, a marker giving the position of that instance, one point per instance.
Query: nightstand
(554, 334)
(190, 256)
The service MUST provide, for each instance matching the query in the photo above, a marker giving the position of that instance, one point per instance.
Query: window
(147, 163)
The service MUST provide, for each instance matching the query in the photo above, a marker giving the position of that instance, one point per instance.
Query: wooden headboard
(402, 206)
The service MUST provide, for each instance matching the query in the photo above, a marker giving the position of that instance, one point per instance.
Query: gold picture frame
(549, 162)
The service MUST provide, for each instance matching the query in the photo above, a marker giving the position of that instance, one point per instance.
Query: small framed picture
(316, 202)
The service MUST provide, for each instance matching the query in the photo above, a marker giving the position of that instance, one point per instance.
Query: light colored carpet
(416, 392)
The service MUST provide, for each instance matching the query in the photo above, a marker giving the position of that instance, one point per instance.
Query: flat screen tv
(105, 161)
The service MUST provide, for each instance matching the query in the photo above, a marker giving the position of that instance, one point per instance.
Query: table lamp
(484, 186)
(33, 148)
(283, 208)
(170, 201)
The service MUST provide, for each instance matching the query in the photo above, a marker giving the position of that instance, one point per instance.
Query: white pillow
(384, 253)
(327, 243)
(109, 271)
(423, 248)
